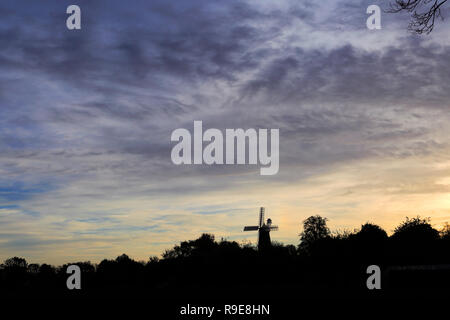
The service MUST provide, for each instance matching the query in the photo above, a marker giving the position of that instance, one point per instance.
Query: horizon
(243, 242)
(86, 119)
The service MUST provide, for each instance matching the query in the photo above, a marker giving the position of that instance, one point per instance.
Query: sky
(86, 118)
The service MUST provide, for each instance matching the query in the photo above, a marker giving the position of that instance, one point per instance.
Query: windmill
(263, 230)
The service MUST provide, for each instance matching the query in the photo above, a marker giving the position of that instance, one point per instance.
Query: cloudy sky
(86, 118)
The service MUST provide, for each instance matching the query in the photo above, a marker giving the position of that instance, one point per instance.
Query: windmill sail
(261, 217)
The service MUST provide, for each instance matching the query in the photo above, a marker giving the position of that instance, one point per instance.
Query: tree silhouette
(15, 263)
(445, 232)
(371, 233)
(15, 273)
(314, 229)
(33, 268)
(200, 246)
(415, 230)
(423, 13)
(325, 263)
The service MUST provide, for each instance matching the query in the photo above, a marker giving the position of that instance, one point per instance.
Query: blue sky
(86, 118)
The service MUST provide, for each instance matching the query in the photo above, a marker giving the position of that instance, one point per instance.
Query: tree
(314, 229)
(423, 13)
(123, 258)
(15, 263)
(153, 260)
(415, 230)
(205, 243)
(33, 268)
(47, 269)
(371, 233)
(445, 231)
(200, 246)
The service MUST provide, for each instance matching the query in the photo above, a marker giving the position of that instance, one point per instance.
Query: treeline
(416, 257)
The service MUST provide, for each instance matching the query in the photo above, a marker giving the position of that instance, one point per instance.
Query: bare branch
(423, 13)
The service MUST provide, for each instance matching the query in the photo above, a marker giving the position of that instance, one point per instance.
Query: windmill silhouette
(263, 230)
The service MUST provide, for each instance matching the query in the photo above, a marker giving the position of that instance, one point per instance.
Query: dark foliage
(323, 265)
(415, 230)
(314, 229)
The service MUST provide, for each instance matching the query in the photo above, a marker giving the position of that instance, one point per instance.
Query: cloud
(86, 118)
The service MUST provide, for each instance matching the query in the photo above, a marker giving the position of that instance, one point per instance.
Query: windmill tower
(263, 230)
